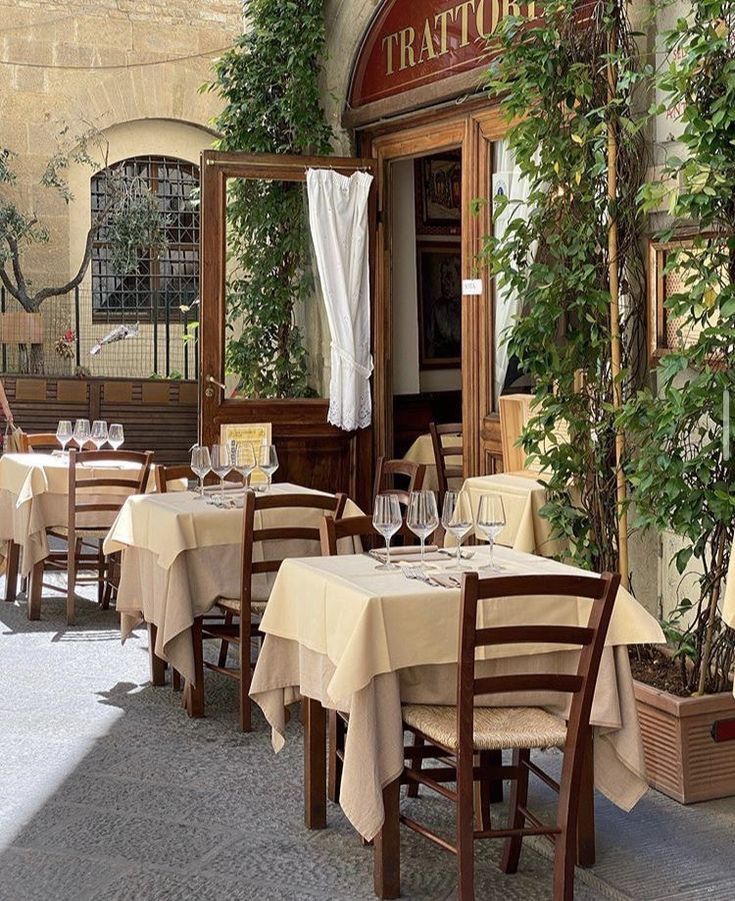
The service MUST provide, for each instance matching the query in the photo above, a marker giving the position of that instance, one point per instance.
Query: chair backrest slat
(333, 529)
(444, 472)
(29, 442)
(386, 471)
(95, 485)
(576, 635)
(600, 591)
(173, 473)
(251, 535)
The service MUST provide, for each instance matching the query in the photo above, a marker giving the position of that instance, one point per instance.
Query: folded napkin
(411, 553)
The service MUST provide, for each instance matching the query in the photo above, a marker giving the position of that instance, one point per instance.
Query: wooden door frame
(472, 128)
(303, 417)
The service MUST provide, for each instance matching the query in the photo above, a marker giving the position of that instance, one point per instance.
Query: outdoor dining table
(33, 498)
(346, 636)
(523, 497)
(181, 553)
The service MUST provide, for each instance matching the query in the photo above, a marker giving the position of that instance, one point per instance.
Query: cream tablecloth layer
(363, 641)
(34, 497)
(523, 497)
(180, 554)
(422, 451)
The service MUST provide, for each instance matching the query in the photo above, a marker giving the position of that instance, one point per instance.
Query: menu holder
(255, 434)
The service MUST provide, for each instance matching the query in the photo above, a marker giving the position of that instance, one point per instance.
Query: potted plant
(683, 471)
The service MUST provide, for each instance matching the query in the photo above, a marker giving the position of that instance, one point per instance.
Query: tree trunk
(37, 362)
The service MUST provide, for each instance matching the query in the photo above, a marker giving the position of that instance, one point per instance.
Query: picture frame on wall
(438, 195)
(439, 283)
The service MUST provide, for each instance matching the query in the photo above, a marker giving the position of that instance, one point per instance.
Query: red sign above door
(411, 43)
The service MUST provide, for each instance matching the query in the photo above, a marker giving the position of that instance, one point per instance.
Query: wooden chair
(39, 440)
(455, 735)
(441, 452)
(247, 605)
(385, 478)
(83, 503)
(174, 473)
(332, 531)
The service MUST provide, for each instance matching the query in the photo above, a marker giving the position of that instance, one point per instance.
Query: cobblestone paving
(109, 792)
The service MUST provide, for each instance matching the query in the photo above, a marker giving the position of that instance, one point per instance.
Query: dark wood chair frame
(83, 551)
(461, 764)
(385, 478)
(241, 632)
(332, 531)
(29, 442)
(444, 472)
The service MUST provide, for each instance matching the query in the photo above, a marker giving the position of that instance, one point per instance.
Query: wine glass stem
(269, 476)
(459, 551)
(491, 545)
(222, 488)
(387, 550)
(201, 486)
(423, 544)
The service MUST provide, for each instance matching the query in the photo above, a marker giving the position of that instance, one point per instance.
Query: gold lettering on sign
(407, 36)
(477, 21)
(463, 10)
(427, 44)
(387, 43)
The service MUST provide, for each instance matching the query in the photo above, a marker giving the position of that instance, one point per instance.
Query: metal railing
(161, 342)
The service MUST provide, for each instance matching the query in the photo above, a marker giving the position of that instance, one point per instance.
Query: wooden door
(311, 451)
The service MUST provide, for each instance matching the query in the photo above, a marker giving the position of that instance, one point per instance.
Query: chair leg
(246, 724)
(465, 828)
(35, 589)
(224, 647)
(71, 581)
(491, 790)
(100, 575)
(516, 819)
(413, 787)
(336, 744)
(196, 692)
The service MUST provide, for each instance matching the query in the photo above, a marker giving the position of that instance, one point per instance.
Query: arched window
(160, 281)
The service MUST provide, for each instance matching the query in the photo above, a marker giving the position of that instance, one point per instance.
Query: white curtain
(338, 218)
(507, 180)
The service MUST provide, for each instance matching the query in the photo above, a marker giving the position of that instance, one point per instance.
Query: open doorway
(426, 290)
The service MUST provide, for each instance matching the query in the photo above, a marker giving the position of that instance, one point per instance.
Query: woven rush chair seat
(233, 605)
(81, 532)
(495, 728)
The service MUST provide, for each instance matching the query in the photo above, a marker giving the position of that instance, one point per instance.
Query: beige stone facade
(130, 68)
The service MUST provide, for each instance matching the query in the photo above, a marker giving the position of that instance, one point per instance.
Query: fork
(416, 571)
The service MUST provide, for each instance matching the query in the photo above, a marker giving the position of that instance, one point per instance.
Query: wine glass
(81, 433)
(457, 518)
(387, 521)
(99, 433)
(491, 521)
(221, 465)
(64, 433)
(268, 462)
(245, 461)
(115, 435)
(422, 518)
(201, 465)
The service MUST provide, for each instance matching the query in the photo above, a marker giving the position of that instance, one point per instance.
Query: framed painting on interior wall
(438, 182)
(439, 283)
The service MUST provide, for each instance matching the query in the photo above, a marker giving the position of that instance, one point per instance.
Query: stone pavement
(109, 792)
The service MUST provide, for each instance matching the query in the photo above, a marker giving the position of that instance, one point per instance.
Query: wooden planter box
(21, 328)
(682, 759)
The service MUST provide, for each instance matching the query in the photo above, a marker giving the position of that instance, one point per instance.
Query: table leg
(315, 765)
(158, 665)
(35, 589)
(586, 815)
(387, 859)
(11, 572)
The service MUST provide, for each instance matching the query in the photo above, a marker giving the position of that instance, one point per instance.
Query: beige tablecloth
(362, 641)
(422, 451)
(523, 497)
(34, 497)
(180, 554)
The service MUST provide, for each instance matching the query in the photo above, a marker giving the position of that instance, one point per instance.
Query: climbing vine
(270, 84)
(552, 79)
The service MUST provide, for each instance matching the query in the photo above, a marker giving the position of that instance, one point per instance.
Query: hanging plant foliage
(270, 84)
(551, 78)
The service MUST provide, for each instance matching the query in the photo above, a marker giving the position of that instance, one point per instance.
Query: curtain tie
(364, 371)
